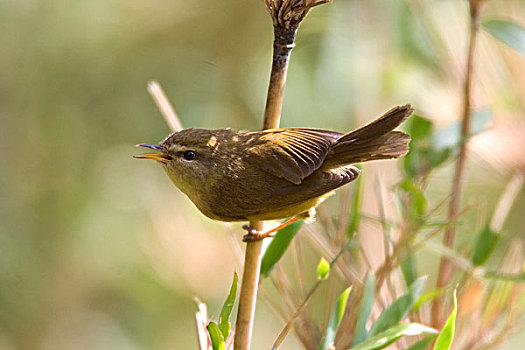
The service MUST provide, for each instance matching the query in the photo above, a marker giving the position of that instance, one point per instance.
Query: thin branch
(311, 292)
(286, 18)
(506, 201)
(446, 267)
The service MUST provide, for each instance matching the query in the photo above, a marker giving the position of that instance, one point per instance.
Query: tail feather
(373, 141)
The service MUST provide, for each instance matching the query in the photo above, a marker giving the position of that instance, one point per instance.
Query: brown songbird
(276, 173)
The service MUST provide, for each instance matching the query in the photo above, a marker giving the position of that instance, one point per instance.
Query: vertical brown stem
(248, 295)
(282, 48)
(446, 267)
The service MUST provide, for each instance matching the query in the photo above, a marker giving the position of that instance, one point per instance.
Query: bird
(275, 173)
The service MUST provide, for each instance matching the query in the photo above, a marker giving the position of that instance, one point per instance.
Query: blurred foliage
(98, 251)
(446, 336)
(335, 319)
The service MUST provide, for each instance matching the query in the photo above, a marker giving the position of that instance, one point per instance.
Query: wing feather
(292, 153)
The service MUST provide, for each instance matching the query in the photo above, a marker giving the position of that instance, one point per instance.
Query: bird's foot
(254, 235)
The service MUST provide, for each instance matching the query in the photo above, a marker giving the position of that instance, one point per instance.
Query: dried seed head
(288, 12)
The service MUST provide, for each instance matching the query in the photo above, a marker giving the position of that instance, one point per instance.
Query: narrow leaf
(426, 297)
(418, 201)
(507, 32)
(409, 270)
(323, 269)
(486, 240)
(278, 246)
(355, 218)
(445, 337)
(501, 276)
(224, 317)
(367, 302)
(423, 343)
(217, 340)
(335, 319)
(420, 130)
(385, 338)
(394, 313)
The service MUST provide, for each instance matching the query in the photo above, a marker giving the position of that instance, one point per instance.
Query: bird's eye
(189, 155)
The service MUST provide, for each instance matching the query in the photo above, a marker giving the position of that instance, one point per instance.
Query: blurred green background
(98, 250)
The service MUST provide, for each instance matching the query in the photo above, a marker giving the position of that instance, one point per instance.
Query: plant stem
(282, 48)
(164, 105)
(289, 324)
(248, 294)
(446, 267)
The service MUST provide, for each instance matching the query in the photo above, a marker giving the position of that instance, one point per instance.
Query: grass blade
(355, 218)
(423, 343)
(427, 296)
(393, 314)
(508, 277)
(335, 319)
(408, 268)
(445, 337)
(385, 338)
(217, 340)
(224, 317)
(367, 301)
(485, 242)
(277, 247)
(507, 32)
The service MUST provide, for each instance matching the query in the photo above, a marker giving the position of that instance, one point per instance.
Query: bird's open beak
(159, 157)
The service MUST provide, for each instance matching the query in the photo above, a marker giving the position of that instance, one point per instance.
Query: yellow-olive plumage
(273, 174)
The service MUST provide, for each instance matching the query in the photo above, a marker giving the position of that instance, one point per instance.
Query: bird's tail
(373, 141)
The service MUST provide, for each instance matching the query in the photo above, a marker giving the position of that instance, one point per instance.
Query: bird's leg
(254, 235)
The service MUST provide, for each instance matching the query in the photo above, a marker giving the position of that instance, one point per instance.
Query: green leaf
(418, 201)
(278, 246)
(394, 313)
(335, 319)
(355, 218)
(217, 340)
(323, 269)
(423, 343)
(439, 156)
(507, 32)
(426, 297)
(408, 269)
(486, 240)
(367, 302)
(385, 338)
(445, 337)
(224, 317)
(420, 130)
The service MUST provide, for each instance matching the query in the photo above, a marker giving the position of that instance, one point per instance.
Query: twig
(311, 292)
(446, 267)
(506, 201)
(286, 18)
(164, 105)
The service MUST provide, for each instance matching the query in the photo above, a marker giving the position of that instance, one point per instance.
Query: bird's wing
(319, 184)
(292, 153)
